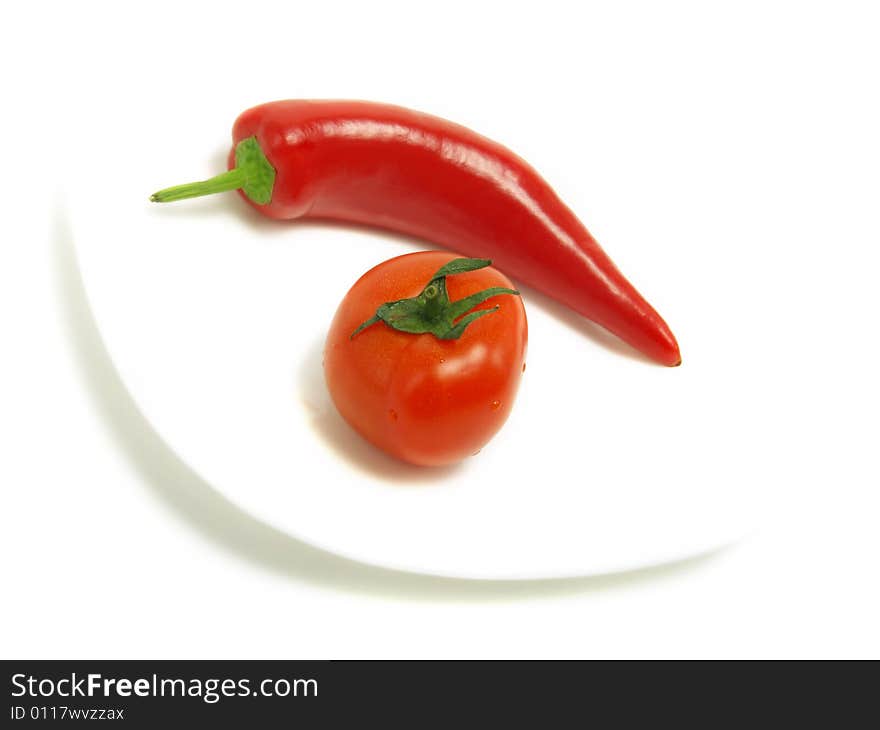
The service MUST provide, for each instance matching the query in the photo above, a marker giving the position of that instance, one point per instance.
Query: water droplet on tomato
(496, 404)
(392, 414)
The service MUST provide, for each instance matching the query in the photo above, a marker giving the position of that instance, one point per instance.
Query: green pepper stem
(231, 180)
(253, 173)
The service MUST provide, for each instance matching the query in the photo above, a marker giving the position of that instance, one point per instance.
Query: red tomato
(426, 400)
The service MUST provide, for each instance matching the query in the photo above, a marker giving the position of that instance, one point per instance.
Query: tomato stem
(433, 301)
(432, 312)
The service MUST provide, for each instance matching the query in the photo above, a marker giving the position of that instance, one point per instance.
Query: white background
(747, 127)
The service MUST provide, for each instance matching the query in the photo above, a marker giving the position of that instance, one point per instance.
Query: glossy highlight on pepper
(419, 175)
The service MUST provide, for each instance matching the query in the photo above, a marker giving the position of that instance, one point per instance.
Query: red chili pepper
(423, 176)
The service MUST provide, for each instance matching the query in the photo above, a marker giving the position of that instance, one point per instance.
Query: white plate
(215, 319)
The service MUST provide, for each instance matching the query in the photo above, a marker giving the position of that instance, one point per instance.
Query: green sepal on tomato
(425, 355)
